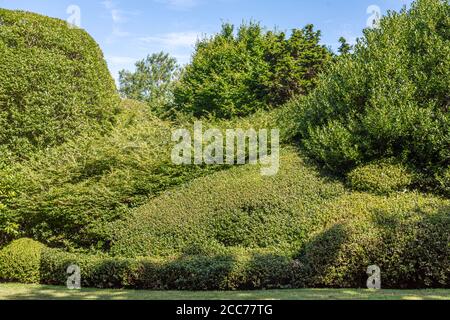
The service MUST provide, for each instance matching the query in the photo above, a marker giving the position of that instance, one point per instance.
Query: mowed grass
(40, 292)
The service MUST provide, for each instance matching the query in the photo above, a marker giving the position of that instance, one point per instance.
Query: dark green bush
(235, 75)
(20, 261)
(380, 177)
(54, 83)
(96, 271)
(236, 269)
(389, 98)
(407, 236)
(443, 178)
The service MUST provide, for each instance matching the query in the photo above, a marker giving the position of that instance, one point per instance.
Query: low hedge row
(412, 249)
(236, 270)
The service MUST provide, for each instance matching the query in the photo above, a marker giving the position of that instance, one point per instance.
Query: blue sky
(128, 30)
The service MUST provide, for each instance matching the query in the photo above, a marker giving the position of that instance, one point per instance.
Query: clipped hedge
(236, 269)
(234, 208)
(380, 177)
(54, 83)
(20, 261)
(406, 235)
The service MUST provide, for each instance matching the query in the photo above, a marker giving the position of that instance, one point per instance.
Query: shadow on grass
(38, 292)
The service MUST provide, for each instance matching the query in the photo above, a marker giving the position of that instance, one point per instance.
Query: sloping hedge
(54, 83)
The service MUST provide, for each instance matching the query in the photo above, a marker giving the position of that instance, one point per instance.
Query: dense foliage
(54, 84)
(235, 75)
(111, 200)
(388, 99)
(20, 261)
(382, 177)
(152, 82)
(241, 208)
(64, 195)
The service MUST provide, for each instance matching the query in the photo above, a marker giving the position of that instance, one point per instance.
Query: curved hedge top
(54, 83)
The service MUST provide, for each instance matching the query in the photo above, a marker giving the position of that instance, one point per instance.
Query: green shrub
(387, 99)
(54, 83)
(20, 261)
(240, 209)
(235, 269)
(406, 235)
(443, 177)
(63, 196)
(380, 177)
(235, 75)
(97, 271)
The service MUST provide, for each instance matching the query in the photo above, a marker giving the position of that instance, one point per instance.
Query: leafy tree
(294, 63)
(237, 73)
(152, 81)
(345, 47)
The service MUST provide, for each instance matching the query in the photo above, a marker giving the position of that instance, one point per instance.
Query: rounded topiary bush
(380, 177)
(54, 83)
(20, 261)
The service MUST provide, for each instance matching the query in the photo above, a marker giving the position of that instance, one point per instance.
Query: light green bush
(54, 84)
(20, 261)
(380, 177)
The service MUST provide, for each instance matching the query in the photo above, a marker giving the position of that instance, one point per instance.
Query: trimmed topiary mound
(380, 177)
(54, 83)
(20, 261)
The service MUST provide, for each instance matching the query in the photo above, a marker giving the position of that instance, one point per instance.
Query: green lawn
(20, 291)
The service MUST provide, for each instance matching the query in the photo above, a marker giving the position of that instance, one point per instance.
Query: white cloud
(117, 15)
(174, 39)
(180, 4)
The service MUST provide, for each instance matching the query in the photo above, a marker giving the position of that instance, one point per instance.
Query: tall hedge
(388, 99)
(54, 83)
